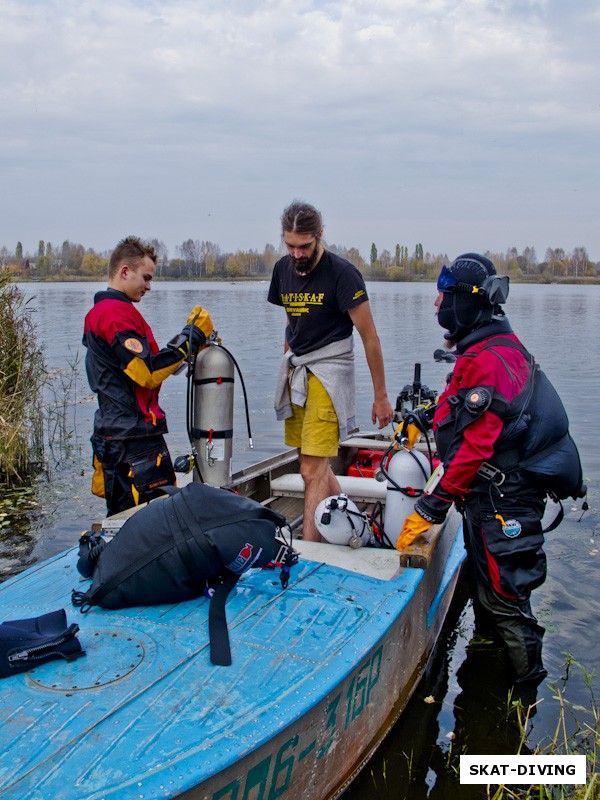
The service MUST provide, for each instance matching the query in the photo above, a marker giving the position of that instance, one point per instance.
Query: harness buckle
(491, 473)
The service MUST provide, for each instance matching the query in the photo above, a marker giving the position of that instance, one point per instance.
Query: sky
(457, 124)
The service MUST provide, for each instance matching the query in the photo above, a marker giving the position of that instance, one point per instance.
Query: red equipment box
(365, 463)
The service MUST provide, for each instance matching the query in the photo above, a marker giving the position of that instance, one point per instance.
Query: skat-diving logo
(244, 559)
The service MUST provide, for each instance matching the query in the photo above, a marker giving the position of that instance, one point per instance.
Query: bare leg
(319, 483)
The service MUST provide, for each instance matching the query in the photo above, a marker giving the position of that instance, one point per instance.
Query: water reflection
(464, 704)
(18, 511)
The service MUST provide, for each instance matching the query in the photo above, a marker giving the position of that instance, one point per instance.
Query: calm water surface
(556, 323)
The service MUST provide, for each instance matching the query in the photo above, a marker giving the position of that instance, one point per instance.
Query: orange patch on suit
(134, 345)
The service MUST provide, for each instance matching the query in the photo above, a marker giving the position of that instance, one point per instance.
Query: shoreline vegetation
(22, 378)
(34, 402)
(203, 260)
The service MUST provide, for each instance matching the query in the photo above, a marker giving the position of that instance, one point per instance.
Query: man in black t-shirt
(324, 297)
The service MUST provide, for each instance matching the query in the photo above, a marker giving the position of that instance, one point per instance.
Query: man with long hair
(325, 298)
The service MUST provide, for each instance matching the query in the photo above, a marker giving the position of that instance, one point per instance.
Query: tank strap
(199, 433)
(218, 379)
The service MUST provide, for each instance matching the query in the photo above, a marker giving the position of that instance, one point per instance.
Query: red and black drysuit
(478, 417)
(125, 368)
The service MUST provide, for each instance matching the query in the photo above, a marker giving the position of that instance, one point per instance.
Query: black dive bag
(547, 454)
(178, 547)
(550, 457)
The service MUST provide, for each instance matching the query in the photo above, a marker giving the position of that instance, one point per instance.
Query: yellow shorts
(314, 428)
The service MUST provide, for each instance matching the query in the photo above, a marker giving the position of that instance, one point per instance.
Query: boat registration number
(272, 776)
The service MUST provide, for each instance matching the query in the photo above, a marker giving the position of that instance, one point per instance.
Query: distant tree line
(195, 259)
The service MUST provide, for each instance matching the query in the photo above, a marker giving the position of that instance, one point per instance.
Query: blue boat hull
(320, 672)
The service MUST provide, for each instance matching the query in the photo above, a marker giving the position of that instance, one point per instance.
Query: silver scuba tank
(212, 428)
(404, 469)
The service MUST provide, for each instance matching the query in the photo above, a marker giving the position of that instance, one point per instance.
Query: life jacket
(535, 439)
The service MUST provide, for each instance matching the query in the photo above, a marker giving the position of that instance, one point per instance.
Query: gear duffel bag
(198, 538)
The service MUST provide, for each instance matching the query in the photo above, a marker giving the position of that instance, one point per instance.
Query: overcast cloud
(460, 124)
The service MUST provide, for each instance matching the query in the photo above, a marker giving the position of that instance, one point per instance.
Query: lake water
(558, 324)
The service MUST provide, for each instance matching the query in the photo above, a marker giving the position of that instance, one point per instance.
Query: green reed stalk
(584, 740)
(22, 375)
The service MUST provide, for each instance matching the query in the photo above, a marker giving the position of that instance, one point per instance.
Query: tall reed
(22, 375)
(577, 732)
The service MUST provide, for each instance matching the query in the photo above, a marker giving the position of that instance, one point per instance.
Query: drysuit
(125, 368)
(479, 416)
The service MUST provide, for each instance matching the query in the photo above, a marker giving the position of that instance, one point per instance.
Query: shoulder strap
(218, 634)
(502, 341)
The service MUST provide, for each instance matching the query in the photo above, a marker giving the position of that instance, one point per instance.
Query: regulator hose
(418, 423)
(241, 377)
(406, 490)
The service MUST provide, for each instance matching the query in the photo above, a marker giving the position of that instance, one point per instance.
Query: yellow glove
(414, 525)
(201, 319)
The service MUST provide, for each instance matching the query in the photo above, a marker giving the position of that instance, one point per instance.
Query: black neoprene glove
(198, 336)
(181, 342)
(433, 508)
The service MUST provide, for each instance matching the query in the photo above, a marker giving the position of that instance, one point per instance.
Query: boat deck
(320, 672)
(133, 701)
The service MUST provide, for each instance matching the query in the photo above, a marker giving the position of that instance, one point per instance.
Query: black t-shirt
(317, 304)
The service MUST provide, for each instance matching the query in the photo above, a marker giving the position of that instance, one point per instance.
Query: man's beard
(306, 264)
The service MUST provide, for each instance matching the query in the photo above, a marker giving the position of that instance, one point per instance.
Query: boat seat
(365, 443)
(359, 489)
(371, 561)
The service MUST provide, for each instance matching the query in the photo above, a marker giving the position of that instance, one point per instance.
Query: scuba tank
(212, 425)
(209, 414)
(407, 472)
(339, 521)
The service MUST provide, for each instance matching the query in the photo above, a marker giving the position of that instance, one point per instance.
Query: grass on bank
(577, 732)
(406, 775)
(22, 376)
